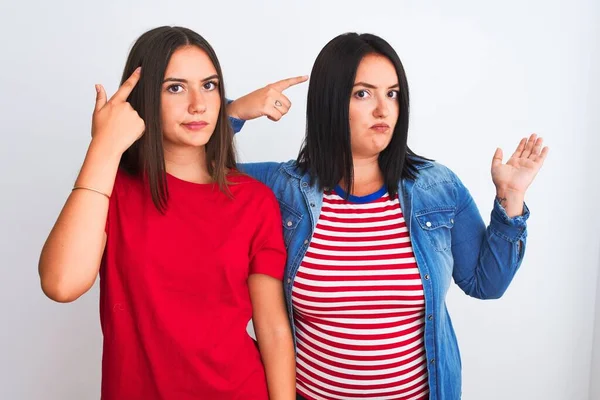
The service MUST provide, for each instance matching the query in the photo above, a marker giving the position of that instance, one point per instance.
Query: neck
(188, 164)
(368, 177)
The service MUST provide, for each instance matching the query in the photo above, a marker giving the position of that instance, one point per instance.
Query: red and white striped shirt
(359, 305)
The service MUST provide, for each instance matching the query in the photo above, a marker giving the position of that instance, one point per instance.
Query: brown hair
(152, 51)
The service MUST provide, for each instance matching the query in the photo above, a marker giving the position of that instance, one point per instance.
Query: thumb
(100, 97)
(497, 160)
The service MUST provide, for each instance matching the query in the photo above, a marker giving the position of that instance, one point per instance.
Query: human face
(190, 99)
(374, 106)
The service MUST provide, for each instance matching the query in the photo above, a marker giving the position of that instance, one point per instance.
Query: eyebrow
(368, 85)
(179, 80)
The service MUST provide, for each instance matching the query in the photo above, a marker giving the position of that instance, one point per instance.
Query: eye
(361, 94)
(175, 89)
(393, 94)
(211, 85)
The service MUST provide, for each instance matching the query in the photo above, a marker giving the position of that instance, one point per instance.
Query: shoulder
(291, 169)
(247, 183)
(277, 175)
(432, 173)
(251, 190)
(270, 167)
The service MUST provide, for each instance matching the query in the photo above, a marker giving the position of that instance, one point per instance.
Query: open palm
(522, 167)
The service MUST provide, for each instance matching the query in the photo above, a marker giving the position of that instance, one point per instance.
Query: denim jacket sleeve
(486, 258)
(262, 171)
(236, 124)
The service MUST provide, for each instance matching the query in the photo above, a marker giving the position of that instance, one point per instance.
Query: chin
(378, 148)
(197, 140)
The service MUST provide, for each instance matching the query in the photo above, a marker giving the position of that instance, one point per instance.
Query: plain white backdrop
(482, 75)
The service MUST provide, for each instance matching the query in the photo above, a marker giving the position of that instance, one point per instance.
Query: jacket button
(289, 281)
(430, 317)
(306, 241)
(432, 361)
(428, 224)
(289, 223)
(451, 220)
(426, 277)
(312, 204)
(304, 184)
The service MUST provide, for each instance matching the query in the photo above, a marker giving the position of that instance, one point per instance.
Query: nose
(382, 107)
(197, 102)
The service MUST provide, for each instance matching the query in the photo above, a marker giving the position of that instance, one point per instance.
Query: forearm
(232, 110)
(277, 353)
(494, 268)
(70, 259)
(487, 258)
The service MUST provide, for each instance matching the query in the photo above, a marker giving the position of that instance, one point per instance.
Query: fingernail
(137, 70)
(97, 88)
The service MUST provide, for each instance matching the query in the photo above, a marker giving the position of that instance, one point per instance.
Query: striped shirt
(359, 305)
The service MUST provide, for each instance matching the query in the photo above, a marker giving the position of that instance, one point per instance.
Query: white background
(482, 75)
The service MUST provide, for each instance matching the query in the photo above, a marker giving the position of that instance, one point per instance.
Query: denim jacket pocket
(290, 219)
(437, 225)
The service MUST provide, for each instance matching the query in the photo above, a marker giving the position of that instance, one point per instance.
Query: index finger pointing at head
(289, 82)
(125, 90)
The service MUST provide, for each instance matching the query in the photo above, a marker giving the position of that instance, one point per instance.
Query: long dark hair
(326, 152)
(152, 51)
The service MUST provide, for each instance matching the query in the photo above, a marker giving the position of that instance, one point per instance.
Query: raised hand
(268, 101)
(115, 123)
(522, 167)
(513, 178)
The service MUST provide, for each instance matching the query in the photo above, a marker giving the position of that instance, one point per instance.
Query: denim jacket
(449, 238)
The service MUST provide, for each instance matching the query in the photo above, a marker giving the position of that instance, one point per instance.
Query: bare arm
(268, 101)
(71, 257)
(274, 335)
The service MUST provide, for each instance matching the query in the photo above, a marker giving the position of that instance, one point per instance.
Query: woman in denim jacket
(375, 233)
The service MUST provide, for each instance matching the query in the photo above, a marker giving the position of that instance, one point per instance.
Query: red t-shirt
(174, 299)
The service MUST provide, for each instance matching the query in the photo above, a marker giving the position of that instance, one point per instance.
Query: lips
(196, 125)
(380, 127)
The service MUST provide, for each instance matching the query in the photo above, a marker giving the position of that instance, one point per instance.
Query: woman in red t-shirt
(187, 249)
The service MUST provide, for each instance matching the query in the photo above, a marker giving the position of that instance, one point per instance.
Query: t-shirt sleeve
(267, 250)
(112, 202)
